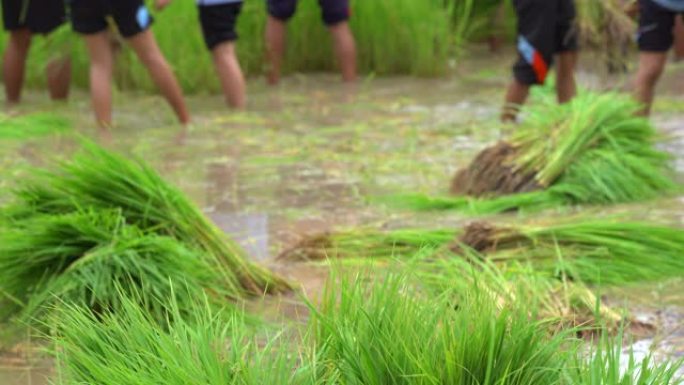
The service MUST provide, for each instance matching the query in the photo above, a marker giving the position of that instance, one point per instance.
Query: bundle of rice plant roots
(33, 125)
(590, 151)
(606, 26)
(366, 243)
(102, 219)
(84, 258)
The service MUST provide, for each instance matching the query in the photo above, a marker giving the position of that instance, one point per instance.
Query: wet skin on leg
(101, 68)
(230, 74)
(14, 64)
(651, 66)
(276, 32)
(566, 87)
(345, 49)
(147, 50)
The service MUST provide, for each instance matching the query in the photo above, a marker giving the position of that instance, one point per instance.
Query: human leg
(279, 12)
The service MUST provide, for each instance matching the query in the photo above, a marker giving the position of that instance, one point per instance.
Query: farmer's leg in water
(336, 17)
(14, 64)
(147, 50)
(655, 38)
(101, 69)
(58, 73)
(279, 12)
(218, 27)
(566, 86)
(679, 39)
(545, 28)
(23, 20)
(133, 21)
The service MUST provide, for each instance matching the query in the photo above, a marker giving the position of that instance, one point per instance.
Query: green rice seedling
(597, 251)
(34, 125)
(563, 303)
(129, 347)
(605, 26)
(100, 179)
(608, 363)
(88, 259)
(593, 150)
(368, 243)
(387, 333)
(594, 251)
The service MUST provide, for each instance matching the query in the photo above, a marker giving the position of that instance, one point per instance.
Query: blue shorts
(334, 11)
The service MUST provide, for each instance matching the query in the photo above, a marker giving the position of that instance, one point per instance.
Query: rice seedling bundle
(129, 347)
(101, 219)
(33, 125)
(90, 258)
(366, 243)
(592, 150)
(592, 251)
(607, 251)
(606, 26)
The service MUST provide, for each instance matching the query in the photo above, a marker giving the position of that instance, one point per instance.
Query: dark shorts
(218, 23)
(656, 27)
(545, 28)
(334, 11)
(39, 16)
(130, 16)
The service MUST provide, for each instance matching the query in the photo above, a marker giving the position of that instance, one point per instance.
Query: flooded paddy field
(312, 156)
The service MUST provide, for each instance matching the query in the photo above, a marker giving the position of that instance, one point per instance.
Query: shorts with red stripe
(545, 28)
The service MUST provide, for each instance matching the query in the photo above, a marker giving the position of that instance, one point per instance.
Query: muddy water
(309, 155)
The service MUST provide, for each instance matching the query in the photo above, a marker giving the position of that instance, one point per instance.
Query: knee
(21, 39)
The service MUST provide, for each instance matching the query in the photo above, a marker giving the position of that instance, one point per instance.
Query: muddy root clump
(493, 173)
(311, 248)
(483, 237)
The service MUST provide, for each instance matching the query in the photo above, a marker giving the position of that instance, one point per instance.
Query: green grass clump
(101, 221)
(30, 126)
(100, 179)
(386, 332)
(129, 347)
(603, 365)
(593, 150)
(88, 258)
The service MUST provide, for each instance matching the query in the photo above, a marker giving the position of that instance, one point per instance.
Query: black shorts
(333, 11)
(545, 28)
(218, 23)
(656, 27)
(130, 16)
(38, 16)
